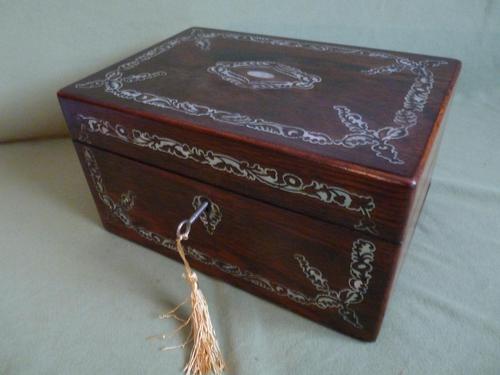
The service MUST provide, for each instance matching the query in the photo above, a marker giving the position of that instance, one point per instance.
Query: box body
(313, 202)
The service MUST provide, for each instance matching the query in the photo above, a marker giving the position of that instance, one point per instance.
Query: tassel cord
(205, 356)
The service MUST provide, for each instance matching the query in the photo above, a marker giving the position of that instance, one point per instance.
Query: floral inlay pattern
(362, 257)
(380, 141)
(405, 118)
(261, 75)
(288, 182)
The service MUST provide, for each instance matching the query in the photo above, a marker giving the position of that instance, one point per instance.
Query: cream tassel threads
(205, 354)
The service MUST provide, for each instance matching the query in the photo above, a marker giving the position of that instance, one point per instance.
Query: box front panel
(335, 276)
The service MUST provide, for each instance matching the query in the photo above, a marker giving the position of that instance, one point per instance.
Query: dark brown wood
(159, 200)
(391, 199)
(310, 148)
(344, 82)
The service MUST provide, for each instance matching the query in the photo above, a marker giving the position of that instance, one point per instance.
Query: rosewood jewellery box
(315, 158)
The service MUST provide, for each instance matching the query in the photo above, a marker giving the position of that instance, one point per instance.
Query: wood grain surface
(319, 155)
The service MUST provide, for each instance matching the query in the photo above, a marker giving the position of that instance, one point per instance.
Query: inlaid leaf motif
(143, 76)
(353, 121)
(313, 274)
(389, 133)
(362, 256)
(349, 316)
(388, 69)
(91, 84)
(327, 301)
(271, 177)
(354, 140)
(361, 135)
(350, 296)
(387, 151)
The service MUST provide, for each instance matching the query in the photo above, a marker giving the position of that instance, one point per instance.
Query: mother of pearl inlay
(260, 74)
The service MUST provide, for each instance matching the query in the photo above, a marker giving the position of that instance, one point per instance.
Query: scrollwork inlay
(262, 77)
(361, 266)
(285, 181)
(359, 135)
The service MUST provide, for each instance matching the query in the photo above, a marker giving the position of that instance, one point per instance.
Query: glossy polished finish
(318, 155)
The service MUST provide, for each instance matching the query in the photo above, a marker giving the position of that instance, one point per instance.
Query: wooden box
(316, 159)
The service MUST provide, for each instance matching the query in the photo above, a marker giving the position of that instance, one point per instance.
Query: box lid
(341, 124)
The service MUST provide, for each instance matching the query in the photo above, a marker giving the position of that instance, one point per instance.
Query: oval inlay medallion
(264, 75)
(260, 74)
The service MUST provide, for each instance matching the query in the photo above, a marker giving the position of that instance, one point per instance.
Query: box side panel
(327, 273)
(363, 202)
(417, 202)
(424, 177)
